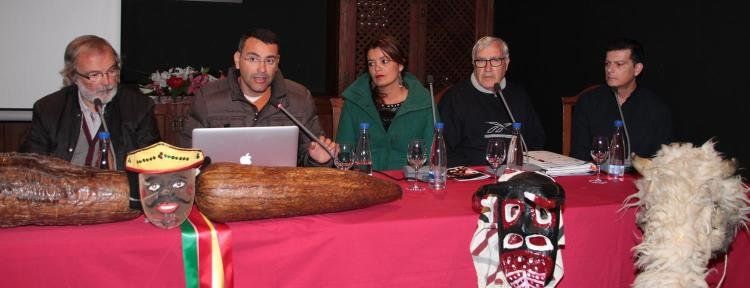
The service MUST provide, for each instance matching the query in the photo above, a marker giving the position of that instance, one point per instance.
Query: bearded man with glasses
(474, 112)
(65, 124)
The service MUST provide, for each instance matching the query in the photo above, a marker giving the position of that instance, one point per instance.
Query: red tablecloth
(421, 240)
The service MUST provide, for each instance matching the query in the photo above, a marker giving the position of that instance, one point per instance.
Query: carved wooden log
(43, 190)
(232, 192)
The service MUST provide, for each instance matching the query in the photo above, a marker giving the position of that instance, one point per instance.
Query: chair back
(336, 104)
(567, 117)
(439, 94)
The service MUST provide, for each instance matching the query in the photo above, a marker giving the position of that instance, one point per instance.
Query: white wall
(34, 34)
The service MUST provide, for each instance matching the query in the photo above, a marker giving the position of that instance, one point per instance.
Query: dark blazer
(56, 123)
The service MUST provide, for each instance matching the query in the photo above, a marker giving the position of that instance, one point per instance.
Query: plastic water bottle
(616, 168)
(363, 158)
(104, 143)
(515, 148)
(438, 159)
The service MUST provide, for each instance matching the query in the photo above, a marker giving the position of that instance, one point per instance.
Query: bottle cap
(103, 135)
(516, 125)
(364, 125)
(618, 123)
(439, 125)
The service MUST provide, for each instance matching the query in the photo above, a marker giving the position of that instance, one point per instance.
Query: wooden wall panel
(437, 34)
(12, 134)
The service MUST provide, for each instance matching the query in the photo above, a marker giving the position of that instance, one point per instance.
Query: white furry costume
(690, 205)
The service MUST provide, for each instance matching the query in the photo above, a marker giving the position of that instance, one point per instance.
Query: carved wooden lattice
(450, 37)
(436, 35)
(380, 17)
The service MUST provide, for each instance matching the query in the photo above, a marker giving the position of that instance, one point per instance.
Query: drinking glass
(416, 154)
(599, 153)
(495, 154)
(344, 159)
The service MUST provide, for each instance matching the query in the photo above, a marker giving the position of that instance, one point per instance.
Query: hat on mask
(163, 158)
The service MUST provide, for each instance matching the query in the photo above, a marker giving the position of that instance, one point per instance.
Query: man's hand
(319, 154)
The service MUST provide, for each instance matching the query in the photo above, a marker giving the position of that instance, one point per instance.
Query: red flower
(175, 82)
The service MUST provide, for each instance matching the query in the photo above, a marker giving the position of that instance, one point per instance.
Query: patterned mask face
(167, 198)
(526, 210)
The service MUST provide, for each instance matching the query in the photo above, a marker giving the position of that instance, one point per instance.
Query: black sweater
(56, 123)
(471, 117)
(648, 120)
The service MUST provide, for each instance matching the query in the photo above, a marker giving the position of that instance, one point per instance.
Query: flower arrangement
(177, 82)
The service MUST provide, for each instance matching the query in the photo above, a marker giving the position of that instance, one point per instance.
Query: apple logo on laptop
(246, 159)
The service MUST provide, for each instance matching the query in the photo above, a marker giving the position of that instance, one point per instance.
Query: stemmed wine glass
(344, 159)
(495, 154)
(416, 154)
(599, 153)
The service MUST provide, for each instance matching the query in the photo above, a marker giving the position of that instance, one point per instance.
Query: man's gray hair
(79, 45)
(485, 42)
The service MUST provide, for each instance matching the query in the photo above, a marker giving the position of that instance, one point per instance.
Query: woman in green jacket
(394, 103)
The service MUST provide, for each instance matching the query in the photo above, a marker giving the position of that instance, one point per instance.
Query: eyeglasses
(97, 76)
(270, 61)
(494, 62)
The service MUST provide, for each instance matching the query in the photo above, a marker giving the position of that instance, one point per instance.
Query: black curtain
(693, 50)
(159, 34)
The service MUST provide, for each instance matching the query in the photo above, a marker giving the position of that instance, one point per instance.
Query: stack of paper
(559, 165)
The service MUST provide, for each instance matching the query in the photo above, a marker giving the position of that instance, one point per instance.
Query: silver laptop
(259, 146)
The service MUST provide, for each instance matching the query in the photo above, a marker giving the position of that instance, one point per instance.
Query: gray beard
(89, 95)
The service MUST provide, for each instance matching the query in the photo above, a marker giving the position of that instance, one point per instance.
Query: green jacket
(413, 120)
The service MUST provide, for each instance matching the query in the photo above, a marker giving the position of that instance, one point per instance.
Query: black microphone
(430, 81)
(499, 92)
(624, 124)
(309, 134)
(98, 105)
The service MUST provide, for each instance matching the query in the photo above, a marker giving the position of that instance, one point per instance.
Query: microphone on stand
(499, 92)
(628, 153)
(304, 129)
(98, 105)
(624, 125)
(430, 81)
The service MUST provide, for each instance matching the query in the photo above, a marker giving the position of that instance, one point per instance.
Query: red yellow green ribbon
(206, 252)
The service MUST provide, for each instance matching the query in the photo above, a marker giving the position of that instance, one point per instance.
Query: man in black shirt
(648, 121)
(473, 113)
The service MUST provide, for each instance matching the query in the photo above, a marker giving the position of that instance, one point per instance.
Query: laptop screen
(260, 146)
